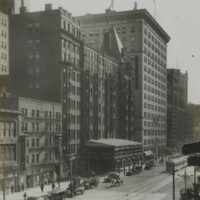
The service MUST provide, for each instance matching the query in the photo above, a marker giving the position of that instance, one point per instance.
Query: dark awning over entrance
(113, 142)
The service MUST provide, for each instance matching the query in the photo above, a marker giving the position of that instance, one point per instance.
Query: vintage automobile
(90, 183)
(110, 176)
(58, 194)
(117, 181)
(75, 187)
(129, 173)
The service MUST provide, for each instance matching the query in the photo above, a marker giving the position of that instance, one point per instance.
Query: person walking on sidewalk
(22, 187)
(25, 195)
(12, 187)
(42, 187)
(53, 186)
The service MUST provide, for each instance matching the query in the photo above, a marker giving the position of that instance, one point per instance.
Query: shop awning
(111, 142)
(148, 153)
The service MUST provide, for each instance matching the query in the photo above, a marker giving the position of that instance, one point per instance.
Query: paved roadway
(154, 184)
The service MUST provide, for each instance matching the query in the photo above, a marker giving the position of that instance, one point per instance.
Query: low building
(9, 146)
(112, 154)
(40, 139)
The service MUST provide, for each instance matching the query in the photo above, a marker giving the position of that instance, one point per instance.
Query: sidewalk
(36, 191)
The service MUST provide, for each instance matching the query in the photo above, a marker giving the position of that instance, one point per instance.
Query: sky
(179, 18)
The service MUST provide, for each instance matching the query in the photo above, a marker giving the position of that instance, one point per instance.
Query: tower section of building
(146, 42)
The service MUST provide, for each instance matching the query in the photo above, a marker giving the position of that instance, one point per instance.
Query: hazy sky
(179, 18)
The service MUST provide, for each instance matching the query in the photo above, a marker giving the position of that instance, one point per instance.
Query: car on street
(110, 176)
(90, 183)
(58, 194)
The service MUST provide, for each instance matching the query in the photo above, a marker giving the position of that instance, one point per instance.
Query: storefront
(112, 154)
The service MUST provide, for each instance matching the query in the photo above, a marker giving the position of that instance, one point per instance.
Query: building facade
(4, 44)
(47, 67)
(9, 143)
(13, 6)
(176, 108)
(146, 42)
(40, 126)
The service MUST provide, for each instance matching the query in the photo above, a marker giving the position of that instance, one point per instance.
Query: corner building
(146, 42)
(4, 44)
(45, 65)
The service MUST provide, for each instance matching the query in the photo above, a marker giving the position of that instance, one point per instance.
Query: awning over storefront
(148, 153)
(111, 142)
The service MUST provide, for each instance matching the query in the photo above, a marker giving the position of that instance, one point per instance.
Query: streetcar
(176, 164)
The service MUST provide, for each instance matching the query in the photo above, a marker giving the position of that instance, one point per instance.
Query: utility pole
(154, 8)
(3, 182)
(173, 176)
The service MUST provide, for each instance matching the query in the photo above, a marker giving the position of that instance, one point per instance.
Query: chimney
(22, 3)
(48, 6)
(135, 5)
(23, 10)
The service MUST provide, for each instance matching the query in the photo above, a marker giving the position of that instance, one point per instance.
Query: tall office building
(146, 42)
(4, 44)
(13, 6)
(45, 64)
(177, 108)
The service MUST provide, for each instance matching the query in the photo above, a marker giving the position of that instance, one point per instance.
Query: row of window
(37, 113)
(35, 158)
(155, 123)
(71, 29)
(155, 50)
(154, 90)
(3, 56)
(69, 87)
(156, 69)
(4, 68)
(34, 85)
(33, 44)
(73, 148)
(152, 141)
(153, 39)
(73, 119)
(154, 82)
(3, 22)
(72, 134)
(35, 142)
(36, 127)
(3, 45)
(154, 132)
(7, 152)
(154, 117)
(153, 107)
(7, 129)
(71, 74)
(72, 104)
(71, 59)
(154, 99)
(34, 27)
(3, 34)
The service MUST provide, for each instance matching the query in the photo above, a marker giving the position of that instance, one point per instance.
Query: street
(154, 184)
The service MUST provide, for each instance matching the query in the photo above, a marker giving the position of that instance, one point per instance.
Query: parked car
(117, 181)
(75, 187)
(58, 194)
(129, 173)
(110, 176)
(91, 183)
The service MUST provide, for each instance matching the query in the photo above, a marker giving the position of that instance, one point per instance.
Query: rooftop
(112, 142)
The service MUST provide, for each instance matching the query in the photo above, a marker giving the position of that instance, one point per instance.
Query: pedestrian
(25, 195)
(22, 187)
(53, 186)
(42, 187)
(12, 188)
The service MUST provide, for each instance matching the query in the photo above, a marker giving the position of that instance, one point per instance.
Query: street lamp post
(118, 166)
(124, 166)
(3, 182)
(129, 162)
